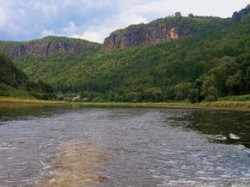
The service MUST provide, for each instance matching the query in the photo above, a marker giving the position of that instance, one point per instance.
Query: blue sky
(94, 19)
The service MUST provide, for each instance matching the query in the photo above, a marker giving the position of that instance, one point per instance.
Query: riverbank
(9, 102)
(218, 105)
(25, 100)
(227, 105)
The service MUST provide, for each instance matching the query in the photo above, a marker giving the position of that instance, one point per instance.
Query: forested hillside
(45, 47)
(214, 63)
(15, 83)
(163, 30)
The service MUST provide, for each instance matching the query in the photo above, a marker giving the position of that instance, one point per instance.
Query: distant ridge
(169, 28)
(47, 46)
(204, 58)
(14, 83)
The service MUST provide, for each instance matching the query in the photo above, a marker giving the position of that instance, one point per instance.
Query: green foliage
(214, 63)
(47, 46)
(178, 14)
(191, 15)
(236, 98)
(193, 95)
(15, 83)
(10, 91)
(182, 90)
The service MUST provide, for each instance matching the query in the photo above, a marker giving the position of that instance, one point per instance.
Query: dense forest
(48, 46)
(213, 63)
(15, 83)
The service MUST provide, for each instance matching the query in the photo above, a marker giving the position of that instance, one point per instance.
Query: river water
(123, 147)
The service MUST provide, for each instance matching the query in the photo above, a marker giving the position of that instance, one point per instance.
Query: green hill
(164, 29)
(208, 65)
(15, 83)
(45, 47)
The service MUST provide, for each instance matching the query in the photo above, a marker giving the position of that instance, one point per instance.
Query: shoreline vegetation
(217, 105)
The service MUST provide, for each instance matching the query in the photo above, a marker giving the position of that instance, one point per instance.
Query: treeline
(15, 83)
(47, 46)
(213, 64)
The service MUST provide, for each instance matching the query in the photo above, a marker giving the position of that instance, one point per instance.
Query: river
(123, 147)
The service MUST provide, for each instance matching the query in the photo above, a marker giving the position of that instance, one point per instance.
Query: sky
(94, 20)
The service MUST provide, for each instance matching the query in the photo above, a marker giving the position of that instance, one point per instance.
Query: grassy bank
(224, 105)
(9, 100)
(229, 105)
(236, 98)
(6, 100)
(219, 105)
(140, 105)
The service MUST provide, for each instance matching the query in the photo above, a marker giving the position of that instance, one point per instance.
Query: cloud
(70, 29)
(47, 32)
(46, 8)
(98, 32)
(95, 19)
(3, 18)
(91, 35)
(96, 4)
(128, 13)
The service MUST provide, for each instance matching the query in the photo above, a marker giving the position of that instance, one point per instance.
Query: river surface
(123, 147)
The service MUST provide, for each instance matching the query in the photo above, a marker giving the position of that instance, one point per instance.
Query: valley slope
(48, 46)
(14, 83)
(210, 59)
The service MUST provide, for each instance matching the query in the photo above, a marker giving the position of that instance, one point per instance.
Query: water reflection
(227, 127)
(74, 164)
(56, 146)
(17, 111)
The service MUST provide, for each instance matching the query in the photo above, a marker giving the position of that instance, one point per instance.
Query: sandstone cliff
(162, 30)
(238, 16)
(47, 46)
(158, 31)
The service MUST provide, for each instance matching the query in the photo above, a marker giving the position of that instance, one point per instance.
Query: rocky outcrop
(47, 46)
(145, 34)
(238, 16)
(41, 48)
(170, 28)
(167, 31)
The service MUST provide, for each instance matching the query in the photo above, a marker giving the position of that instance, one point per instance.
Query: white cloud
(70, 29)
(134, 12)
(154, 8)
(91, 36)
(96, 19)
(50, 10)
(96, 4)
(3, 19)
(66, 2)
(45, 9)
(47, 32)
(99, 32)
(9, 20)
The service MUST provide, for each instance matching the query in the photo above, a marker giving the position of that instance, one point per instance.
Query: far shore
(218, 105)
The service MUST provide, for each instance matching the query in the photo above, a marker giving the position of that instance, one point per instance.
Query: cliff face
(238, 16)
(44, 48)
(47, 46)
(170, 28)
(166, 31)
(154, 32)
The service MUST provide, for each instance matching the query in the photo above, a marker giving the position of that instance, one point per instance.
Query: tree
(191, 15)
(198, 86)
(193, 95)
(234, 83)
(178, 14)
(209, 91)
(181, 90)
(153, 94)
(212, 94)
